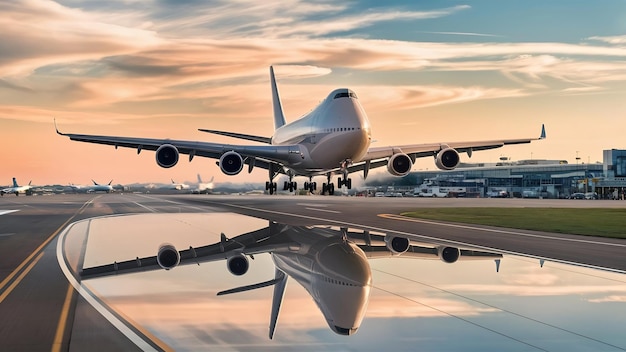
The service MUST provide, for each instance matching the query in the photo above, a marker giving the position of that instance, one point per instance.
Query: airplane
(100, 188)
(17, 189)
(330, 263)
(204, 187)
(178, 186)
(333, 138)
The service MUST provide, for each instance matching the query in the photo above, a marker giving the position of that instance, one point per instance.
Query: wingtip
(543, 131)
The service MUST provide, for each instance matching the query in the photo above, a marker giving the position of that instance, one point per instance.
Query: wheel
(331, 189)
(339, 183)
(349, 184)
(285, 186)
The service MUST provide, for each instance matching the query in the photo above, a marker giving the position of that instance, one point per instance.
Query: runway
(39, 310)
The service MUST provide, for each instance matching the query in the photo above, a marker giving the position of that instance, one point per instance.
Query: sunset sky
(424, 71)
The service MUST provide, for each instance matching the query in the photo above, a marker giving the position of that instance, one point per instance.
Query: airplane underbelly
(334, 148)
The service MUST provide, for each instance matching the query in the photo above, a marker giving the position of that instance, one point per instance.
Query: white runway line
(3, 212)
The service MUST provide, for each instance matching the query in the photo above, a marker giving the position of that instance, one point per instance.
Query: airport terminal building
(529, 179)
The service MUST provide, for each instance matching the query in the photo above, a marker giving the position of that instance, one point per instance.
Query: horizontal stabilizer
(248, 137)
(249, 287)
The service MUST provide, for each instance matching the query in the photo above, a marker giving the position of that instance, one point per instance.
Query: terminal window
(620, 166)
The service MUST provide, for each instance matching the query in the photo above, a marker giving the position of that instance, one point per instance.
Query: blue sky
(425, 72)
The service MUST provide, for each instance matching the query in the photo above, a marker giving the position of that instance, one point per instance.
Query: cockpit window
(345, 95)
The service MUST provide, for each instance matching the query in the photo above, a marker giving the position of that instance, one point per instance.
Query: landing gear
(329, 186)
(271, 187)
(345, 182)
(310, 186)
(290, 185)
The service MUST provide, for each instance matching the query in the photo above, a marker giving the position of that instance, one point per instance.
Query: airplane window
(342, 95)
(353, 95)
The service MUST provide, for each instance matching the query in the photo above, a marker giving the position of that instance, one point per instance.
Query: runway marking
(97, 305)
(3, 212)
(326, 210)
(312, 205)
(19, 278)
(508, 232)
(146, 207)
(6, 234)
(426, 237)
(36, 251)
(58, 337)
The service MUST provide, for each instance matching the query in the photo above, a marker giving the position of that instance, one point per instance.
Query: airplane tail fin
(279, 118)
(277, 300)
(15, 182)
(199, 179)
(211, 180)
(94, 182)
(280, 284)
(110, 182)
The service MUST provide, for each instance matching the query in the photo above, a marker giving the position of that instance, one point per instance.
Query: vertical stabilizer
(277, 300)
(15, 182)
(199, 179)
(279, 118)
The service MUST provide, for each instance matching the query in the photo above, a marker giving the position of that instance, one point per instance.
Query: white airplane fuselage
(336, 131)
(337, 275)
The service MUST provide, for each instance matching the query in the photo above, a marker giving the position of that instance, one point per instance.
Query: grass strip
(603, 222)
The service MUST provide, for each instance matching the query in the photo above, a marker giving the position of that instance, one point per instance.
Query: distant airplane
(204, 187)
(16, 189)
(178, 186)
(330, 263)
(100, 188)
(333, 138)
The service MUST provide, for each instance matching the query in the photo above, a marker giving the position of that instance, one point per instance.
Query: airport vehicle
(432, 192)
(17, 189)
(330, 263)
(333, 138)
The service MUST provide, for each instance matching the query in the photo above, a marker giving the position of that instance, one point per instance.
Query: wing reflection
(331, 263)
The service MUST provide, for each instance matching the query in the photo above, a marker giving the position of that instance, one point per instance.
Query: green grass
(590, 222)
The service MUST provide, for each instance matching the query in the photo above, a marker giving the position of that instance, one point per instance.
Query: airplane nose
(343, 331)
(347, 263)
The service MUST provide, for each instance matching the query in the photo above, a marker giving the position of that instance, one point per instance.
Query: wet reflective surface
(414, 304)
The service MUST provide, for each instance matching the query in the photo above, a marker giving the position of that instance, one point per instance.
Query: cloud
(615, 40)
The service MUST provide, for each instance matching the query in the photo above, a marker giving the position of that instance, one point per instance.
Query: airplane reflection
(331, 263)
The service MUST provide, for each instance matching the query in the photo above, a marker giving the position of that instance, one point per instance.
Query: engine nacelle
(448, 254)
(168, 257)
(447, 159)
(231, 163)
(238, 264)
(397, 245)
(399, 164)
(167, 156)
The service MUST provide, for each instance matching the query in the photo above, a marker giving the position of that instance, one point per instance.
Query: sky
(424, 72)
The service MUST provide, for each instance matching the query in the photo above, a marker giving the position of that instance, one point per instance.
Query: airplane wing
(263, 156)
(374, 246)
(260, 241)
(430, 149)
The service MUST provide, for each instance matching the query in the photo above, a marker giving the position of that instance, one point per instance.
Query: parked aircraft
(16, 189)
(333, 138)
(330, 263)
(204, 187)
(100, 188)
(178, 186)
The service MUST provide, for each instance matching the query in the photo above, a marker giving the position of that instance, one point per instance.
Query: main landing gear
(310, 186)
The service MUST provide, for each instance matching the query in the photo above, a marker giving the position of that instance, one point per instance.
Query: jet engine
(168, 257)
(238, 264)
(399, 164)
(448, 254)
(447, 159)
(231, 163)
(167, 156)
(397, 245)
